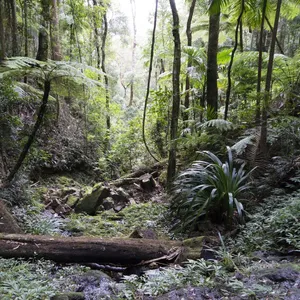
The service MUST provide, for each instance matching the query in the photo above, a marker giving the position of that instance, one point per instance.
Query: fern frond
(240, 147)
(219, 124)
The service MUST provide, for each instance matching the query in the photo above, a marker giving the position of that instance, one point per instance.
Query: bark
(149, 81)
(97, 250)
(241, 36)
(97, 35)
(107, 97)
(31, 137)
(176, 95)
(14, 30)
(2, 34)
(26, 28)
(228, 91)
(42, 53)
(212, 66)
(55, 42)
(277, 41)
(260, 60)
(133, 9)
(267, 96)
(189, 65)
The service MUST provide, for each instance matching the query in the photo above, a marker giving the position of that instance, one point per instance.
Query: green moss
(111, 224)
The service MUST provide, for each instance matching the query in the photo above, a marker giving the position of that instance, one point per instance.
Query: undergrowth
(34, 280)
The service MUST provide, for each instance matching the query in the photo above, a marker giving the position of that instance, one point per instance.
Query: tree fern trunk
(31, 137)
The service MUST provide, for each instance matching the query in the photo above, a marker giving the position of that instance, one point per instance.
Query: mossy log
(98, 250)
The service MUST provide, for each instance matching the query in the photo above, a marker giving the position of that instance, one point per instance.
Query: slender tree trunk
(107, 97)
(260, 60)
(26, 27)
(54, 26)
(277, 41)
(228, 91)
(212, 66)
(241, 37)
(267, 96)
(176, 95)
(2, 34)
(31, 137)
(189, 65)
(97, 38)
(14, 29)
(42, 53)
(133, 9)
(149, 81)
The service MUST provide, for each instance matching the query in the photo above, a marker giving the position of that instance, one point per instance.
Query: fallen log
(124, 252)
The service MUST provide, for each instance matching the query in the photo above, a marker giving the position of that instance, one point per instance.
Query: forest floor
(251, 264)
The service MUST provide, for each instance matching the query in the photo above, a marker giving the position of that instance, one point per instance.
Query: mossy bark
(105, 251)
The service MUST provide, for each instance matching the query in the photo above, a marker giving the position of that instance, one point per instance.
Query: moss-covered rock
(90, 201)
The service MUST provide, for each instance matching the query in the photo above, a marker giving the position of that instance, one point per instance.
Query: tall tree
(228, 91)
(54, 29)
(189, 64)
(260, 60)
(2, 34)
(43, 47)
(107, 97)
(212, 66)
(176, 95)
(133, 63)
(14, 29)
(267, 96)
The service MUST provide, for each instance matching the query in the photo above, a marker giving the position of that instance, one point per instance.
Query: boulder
(7, 222)
(89, 202)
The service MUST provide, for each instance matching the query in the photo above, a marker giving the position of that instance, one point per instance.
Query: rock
(120, 196)
(72, 200)
(281, 275)
(69, 296)
(7, 222)
(91, 201)
(108, 203)
(119, 207)
(191, 293)
(63, 209)
(147, 182)
(143, 234)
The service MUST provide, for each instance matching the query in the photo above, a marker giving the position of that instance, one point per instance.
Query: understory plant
(209, 188)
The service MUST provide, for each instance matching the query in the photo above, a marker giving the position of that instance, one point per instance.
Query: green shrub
(209, 188)
(274, 225)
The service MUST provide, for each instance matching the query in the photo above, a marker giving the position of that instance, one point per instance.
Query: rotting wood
(114, 251)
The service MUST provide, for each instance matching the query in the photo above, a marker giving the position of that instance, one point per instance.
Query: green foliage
(33, 221)
(111, 224)
(209, 188)
(34, 280)
(219, 124)
(274, 225)
(195, 273)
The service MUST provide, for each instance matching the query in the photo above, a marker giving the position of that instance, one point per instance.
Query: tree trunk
(149, 81)
(212, 66)
(267, 96)
(14, 29)
(42, 53)
(55, 43)
(189, 65)
(97, 35)
(30, 140)
(26, 28)
(133, 9)
(107, 97)
(97, 250)
(2, 34)
(260, 60)
(228, 91)
(176, 95)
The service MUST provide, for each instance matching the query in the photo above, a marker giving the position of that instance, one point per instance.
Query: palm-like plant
(209, 188)
(47, 71)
